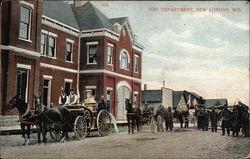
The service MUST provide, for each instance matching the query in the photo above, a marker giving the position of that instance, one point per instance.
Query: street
(181, 143)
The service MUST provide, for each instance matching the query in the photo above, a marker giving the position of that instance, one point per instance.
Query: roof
(151, 96)
(177, 97)
(89, 17)
(215, 102)
(120, 20)
(57, 10)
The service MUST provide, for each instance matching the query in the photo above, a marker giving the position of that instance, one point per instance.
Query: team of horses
(44, 116)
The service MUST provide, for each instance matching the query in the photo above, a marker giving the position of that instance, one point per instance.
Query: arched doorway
(122, 92)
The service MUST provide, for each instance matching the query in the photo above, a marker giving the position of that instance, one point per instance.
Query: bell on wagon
(89, 101)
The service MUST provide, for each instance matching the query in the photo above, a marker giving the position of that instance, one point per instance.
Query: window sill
(110, 65)
(69, 61)
(125, 69)
(26, 40)
(49, 57)
(91, 63)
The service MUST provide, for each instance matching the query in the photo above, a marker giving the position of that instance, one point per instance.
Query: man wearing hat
(72, 98)
(214, 119)
(226, 117)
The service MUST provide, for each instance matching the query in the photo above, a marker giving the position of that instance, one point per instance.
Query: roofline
(63, 24)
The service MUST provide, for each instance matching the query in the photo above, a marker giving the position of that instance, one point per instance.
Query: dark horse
(24, 113)
(58, 115)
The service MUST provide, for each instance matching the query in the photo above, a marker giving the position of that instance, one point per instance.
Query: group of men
(158, 117)
(73, 98)
(204, 116)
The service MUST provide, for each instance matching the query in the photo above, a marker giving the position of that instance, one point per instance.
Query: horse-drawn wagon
(85, 118)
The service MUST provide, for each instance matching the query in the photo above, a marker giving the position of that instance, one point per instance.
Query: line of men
(228, 122)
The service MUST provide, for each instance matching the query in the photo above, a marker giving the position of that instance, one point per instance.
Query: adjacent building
(47, 46)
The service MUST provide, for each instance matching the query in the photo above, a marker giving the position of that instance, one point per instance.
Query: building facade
(48, 46)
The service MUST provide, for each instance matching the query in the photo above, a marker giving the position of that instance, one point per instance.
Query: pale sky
(203, 52)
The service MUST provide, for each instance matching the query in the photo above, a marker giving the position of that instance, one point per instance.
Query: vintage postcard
(124, 79)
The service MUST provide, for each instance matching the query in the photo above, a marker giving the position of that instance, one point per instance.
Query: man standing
(146, 111)
(214, 119)
(62, 98)
(102, 104)
(226, 117)
(72, 98)
(169, 119)
(186, 117)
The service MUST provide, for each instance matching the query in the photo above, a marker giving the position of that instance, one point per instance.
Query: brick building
(47, 46)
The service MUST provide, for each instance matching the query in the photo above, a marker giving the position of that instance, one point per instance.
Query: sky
(204, 52)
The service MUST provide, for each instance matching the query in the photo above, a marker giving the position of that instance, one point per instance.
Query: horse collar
(25, 113)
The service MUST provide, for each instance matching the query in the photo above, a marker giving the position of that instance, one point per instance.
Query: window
(46, 92)
(24, 29)
(52, 48)
(135, 97)
(43, 43)
(68, 52)
(67, 87)
(124, 60)
(136, 63)
(109, 54)
(92, 53)
(22, 83)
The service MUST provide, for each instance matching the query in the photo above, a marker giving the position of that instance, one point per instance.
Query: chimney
(79, 3)
(145, 87)
(163, 84)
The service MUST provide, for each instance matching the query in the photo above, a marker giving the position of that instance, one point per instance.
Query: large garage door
(123, 92)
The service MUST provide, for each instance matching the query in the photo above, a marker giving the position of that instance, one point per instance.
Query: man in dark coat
(226, 117)
(169, 119)
(186, 115)
(102, 104)
(214, 119)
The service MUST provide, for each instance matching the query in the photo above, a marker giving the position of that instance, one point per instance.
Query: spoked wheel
(104, 123)
(80, 127)
(56, 134)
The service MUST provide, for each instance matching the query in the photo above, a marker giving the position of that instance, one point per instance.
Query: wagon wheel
(88, 116)
(56, 134)
(104, 123)
(80, 127)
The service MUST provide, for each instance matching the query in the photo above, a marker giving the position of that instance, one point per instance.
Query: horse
(131, 119)
(24, 113)
(138, 118)
(58, 115)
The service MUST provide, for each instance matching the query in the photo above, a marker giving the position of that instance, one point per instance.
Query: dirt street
(181, 143)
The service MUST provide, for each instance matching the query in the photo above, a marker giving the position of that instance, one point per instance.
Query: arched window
(124, 60)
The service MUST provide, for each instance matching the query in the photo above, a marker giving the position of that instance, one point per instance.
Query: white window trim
(24, 66)
(70, 41)
(136, 56)
(88, 44)
(47, 77)
(72, 45)
(135, 92)
(90, 87)
(111, 45)
(27, 4)
(31, 7)
(68, 80)
(120, 59)
(109, 88)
